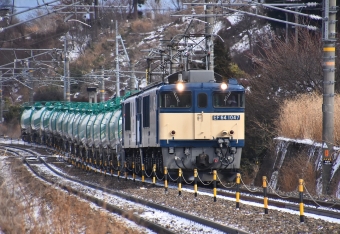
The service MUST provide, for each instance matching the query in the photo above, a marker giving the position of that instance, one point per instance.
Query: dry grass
(142, 26)
(29, 206)
(301, 118)
(10, 130)
(295, 168)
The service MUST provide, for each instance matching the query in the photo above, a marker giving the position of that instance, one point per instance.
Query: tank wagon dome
(25, 120)
(46, 117)
(36, 114)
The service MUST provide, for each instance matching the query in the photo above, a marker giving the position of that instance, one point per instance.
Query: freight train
(190, 121)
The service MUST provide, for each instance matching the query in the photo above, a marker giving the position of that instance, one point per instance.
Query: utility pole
(102, 86)
(209, 36)
(66, 71)
(329, 40)
(117, 63)
(1, 108)
(31, 84)
(132, 84)
(119, 37)
(296, 28)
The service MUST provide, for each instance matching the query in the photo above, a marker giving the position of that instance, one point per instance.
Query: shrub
(141, 26)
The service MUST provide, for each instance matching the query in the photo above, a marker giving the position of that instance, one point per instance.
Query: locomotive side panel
(139, 120)
(128, 123)
(148, 121)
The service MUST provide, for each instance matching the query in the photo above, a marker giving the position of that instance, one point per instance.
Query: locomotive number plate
(226, 117)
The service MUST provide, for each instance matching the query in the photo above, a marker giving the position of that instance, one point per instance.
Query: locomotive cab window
(127, 115)
(202, 100)
(172, 99)
(228, 99)
(146, 111)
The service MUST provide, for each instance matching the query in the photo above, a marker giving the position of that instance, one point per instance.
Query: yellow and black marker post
(133, 172)
(165, 179)
(214, 182)
(302, 217)
(154, 175)
(95, 166)
(100, 166)
(111, 168)
(90, 164)
(118, 172)
(238, 179)
(195, 182)
(143, 175)
(179, 182)
(265, 196)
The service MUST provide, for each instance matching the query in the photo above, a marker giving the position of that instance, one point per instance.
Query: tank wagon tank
(189, 121)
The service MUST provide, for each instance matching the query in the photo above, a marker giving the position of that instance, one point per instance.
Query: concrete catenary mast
(329, 41)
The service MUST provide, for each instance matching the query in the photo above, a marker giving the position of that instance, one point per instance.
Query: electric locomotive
(189, 122)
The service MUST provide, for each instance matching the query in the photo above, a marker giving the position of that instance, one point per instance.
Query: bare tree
(283, 70)
(177, 4)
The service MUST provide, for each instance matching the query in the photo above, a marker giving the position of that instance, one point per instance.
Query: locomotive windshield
(228, 99)
(172, 99)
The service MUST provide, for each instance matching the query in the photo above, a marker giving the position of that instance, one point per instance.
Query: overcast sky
(26, 3)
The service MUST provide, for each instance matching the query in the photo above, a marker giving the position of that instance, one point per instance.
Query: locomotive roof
(172, 79)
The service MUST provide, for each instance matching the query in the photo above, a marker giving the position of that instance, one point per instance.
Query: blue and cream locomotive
(190, 122)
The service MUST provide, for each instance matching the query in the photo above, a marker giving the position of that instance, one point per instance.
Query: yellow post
(195, 181)
(111, 168)
(100, 166)
(133, 172)
(302, 217)
(154, 175)
(143, 182)
(180, 182)
(214, 179)
(118, 172)
(166, 179)
(238, 180)
(265, 196)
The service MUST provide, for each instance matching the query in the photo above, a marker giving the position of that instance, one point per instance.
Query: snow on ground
(328, 219)
(36, 202)
(235, 18)
(165, 217)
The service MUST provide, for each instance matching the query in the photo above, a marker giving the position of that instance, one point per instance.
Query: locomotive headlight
(173, 132)
(180, 86)
(224, 86)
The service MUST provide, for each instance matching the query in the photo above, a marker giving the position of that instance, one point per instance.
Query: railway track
(34, 156)
(188, 198)
(320, 208)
